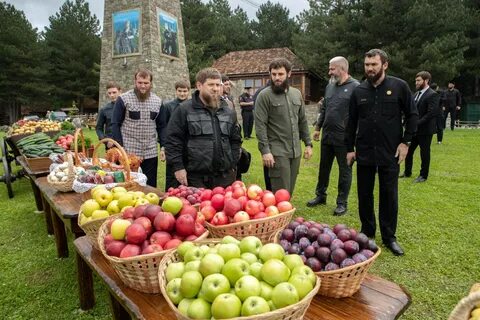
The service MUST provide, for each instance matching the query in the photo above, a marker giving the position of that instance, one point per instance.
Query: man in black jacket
(451, 104)
(376, 139)
(203, 138)
(104, 118)
(427, 102)
(332, 120)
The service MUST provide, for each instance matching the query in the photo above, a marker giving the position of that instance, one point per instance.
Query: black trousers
(266, 177)
(327, 155)
(424, 141)
(211, 181)
(388, 200)
(453, 117)
(169, 177)
(247, 118)
(149, 168)
(440, 126)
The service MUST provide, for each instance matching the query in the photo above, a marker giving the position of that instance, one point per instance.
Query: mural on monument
(126, 32)
(168, 28)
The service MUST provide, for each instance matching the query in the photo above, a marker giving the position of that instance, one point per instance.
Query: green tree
(21, 62)
(73, 44)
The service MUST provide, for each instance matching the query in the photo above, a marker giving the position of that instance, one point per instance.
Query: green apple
(229, 239)
(274, 271)
(284, 294)
(172, 205)
(271, 305)
(113, 207)
(228, 251)
(117, 195)
(211, 263)
(152, 197)
(266, 290)
(247, 286)
(205, 248)
(292, 261)
(226, 306)
(199, 309)
(141, 201)
(307, 271)
(139, 194)
(249, 257)
(234, 269)
(255, 269)
(100, 214)
(97, 188)
(302, 284)
(191, 284)
(103, 197)
(250, 244)
(194, 253)
(118, 189)
(175, 270)
(212, 250)
(192, 265)
(173, 290)
(126, 199)
(89, 206)
(214, 285)
(82, 219)
(254, 305)
(183, 306)
(183, 248)
(271, 251)
(118, 228)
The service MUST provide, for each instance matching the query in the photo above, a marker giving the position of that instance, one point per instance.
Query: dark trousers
(327, 155)
(424, 141)
(149, 168)
(247, 117)
(440, 126)
(266, 177)
(169, 177)
(388, 202)
(211, 181)
(453, 117)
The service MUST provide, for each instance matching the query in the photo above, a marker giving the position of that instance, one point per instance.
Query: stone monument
(143, 34)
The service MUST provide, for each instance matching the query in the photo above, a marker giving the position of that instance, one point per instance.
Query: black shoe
(404, 175)
(419, 179)
(316, 201)
(395, 248)
(340, 210)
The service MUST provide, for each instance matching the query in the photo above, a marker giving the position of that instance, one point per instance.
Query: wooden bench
(377, 298)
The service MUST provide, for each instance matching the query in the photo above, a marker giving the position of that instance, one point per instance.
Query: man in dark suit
(427, 102)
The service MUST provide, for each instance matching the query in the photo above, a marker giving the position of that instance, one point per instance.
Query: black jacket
(201, 140)
(451, 98)
(428, 108)
(104, 121)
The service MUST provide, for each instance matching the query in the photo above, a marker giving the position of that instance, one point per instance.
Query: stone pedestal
(152, 45)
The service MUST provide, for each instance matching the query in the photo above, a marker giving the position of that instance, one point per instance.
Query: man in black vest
(427, 102)
(451, 104)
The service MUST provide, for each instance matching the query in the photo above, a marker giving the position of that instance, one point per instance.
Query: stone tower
(143, 34)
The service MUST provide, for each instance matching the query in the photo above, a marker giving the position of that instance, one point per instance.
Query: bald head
(338, 70)
(341, 62)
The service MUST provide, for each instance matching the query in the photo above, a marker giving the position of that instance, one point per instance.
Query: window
(254, 83)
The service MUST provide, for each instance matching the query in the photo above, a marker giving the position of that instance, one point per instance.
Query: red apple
(200, 218)
(218, 190)
(178, 237)
(189, 209)
(185, 225)
(268, 199)
(241, 216)
(271, 211)
(260, 215)
(145, 244)
(146, 223)
(108, 239)
(199, 229)
(254, 192)
(151, 248)
(205, 203)
(282, 195)
(231, 207)
(139, 211)
(218, 201)
(228, 195)
(130, 250)
(253, 207)
(220, 218)
(238, 192)
(151, 211)
(191, 237)
(160, 238)
(135, 234)
(243, 200)
(165, 221)
(239, 184)
(128, 213)
(284, 206)
(172, 244)
(206, 195)
(229, 188)
(208, 212)
(115, 247)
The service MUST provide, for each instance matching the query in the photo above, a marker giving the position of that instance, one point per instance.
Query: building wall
(166, 70)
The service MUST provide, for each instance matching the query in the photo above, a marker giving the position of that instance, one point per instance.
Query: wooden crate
(39, 164)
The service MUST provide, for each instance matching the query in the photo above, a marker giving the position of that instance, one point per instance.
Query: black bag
(244, 162)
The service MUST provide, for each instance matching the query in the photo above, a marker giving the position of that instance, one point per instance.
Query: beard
(281, 88)
(212, 101)
(141, 96)
(373, 78)
(334, 80)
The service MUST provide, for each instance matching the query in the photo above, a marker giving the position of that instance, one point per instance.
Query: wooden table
(32, 176)
(377, 299)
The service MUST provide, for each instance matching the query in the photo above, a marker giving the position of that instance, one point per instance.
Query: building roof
(255, 61)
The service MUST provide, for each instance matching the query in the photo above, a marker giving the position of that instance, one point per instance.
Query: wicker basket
(343, 282)
(263, 228)
(140, 272)
(293, 312)
(84, 152)
(65, 186)
(91, 228)
(466, 305)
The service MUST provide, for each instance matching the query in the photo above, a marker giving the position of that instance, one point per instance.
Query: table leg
(118, 311)
(37, 195)
(85, 284)
(60, 235)
(48, 216)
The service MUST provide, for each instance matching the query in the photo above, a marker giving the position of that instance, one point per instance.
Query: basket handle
(71, 168)
(79, 133)
(124, 160)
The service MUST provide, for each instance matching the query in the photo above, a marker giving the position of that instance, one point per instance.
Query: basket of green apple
(231, 279)
(135, 243)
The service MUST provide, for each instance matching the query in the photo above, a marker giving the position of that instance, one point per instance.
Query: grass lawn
(438, 229)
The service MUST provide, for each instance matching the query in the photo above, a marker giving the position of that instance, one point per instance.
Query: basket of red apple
(135, 243)
(101, 203)
(340, 256)
(240, 211)
(231, 279)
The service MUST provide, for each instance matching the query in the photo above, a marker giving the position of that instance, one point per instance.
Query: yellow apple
(82, 219)
(103, 197)
(113, 207)
(99, 214)
(126, 199)
(89, 206)
(152, 197)
(140, 194)
(118, 228)
(141, 201)
(117, 195)
(96, 188)
(118, 189)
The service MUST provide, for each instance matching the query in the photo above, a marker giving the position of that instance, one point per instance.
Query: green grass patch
(438, 228)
